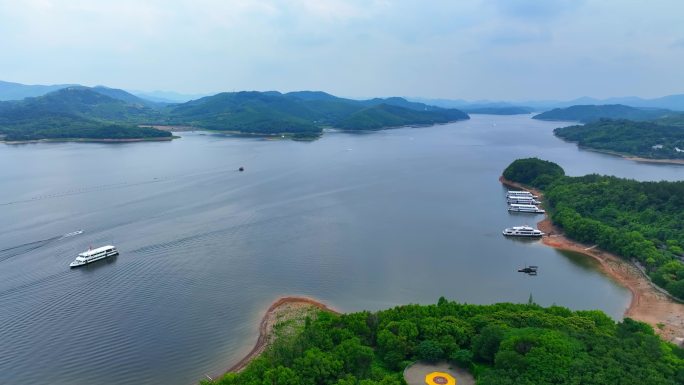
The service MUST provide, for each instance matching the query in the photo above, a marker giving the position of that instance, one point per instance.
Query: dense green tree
(658, 140)
(430, 351)
(317, 367)
(643, 221)
(502, 344)
(533, 171)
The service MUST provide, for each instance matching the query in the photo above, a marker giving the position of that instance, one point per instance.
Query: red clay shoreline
(648, 304)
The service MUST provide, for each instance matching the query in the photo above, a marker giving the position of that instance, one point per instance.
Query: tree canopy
(500, 344)
(644, 139)
(533, 172)
(636, 220)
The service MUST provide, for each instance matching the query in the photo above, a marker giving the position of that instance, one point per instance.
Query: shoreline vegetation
(502, 343)
(640, 141)
(648, 304)
(281, 311)
(630, 157)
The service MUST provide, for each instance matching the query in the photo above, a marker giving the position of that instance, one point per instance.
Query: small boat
(93, 255)
(515, 207)
(518, 194)
(522, 231)
(523, 200)
(531, 270)
(241, 169)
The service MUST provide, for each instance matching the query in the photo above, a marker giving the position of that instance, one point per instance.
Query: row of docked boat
(524, 202)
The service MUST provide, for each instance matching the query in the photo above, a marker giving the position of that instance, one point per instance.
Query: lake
(359, 221)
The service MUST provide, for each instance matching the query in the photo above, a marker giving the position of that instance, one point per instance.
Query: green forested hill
(643, 139)
(385, 115)
(75, 113)
(303, 112)
(590, 113)
(502, 344)
(50, 125)
(635, 220)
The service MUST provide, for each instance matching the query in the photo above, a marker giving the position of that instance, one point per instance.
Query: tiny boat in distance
(522, 231)
(93, 255)
(531, 270)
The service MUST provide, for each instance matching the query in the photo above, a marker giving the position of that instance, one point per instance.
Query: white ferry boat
(523, 200)
(522, 231)
(93, 255)
(517, 194)
(525, 208)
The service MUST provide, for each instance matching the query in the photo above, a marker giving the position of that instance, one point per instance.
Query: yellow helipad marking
(440, 378)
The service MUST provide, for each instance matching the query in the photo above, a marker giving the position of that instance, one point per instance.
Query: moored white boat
(514, 207)
(93, 255)
(518, 194)
(522, 231)
(523, 200)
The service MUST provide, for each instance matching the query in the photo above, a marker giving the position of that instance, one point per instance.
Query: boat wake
(14, 251)
(71, 234)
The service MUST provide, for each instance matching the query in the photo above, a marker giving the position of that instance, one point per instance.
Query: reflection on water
(581, 260)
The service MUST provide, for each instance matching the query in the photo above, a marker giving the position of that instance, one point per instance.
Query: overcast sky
(468, 49)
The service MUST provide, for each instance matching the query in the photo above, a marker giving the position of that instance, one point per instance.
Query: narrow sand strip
(279, 307)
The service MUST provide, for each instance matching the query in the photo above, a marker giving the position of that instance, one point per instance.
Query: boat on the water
(522, 231)
(524, 208)
(531, 270)
(523, 200)
(93, 255)
(518, 194)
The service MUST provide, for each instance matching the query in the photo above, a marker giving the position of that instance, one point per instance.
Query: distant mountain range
(73, 111)
(69, 112)
(303, 113)
(17, 91)
(670, 102)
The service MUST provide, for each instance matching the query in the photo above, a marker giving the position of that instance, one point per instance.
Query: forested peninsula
(640, 221)
(591, 113)
(106, 113)
(499, 344)
(647, 140)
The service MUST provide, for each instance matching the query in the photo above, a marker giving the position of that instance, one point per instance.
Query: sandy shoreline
(629, 157)
(647, 305)
(279, 307)
(86, 140)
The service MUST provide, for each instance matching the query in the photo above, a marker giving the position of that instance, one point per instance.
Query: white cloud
(460, 49)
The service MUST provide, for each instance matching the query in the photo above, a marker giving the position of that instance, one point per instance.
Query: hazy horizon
(512, 50)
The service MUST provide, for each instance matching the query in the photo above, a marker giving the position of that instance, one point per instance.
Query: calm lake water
(360, 221)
